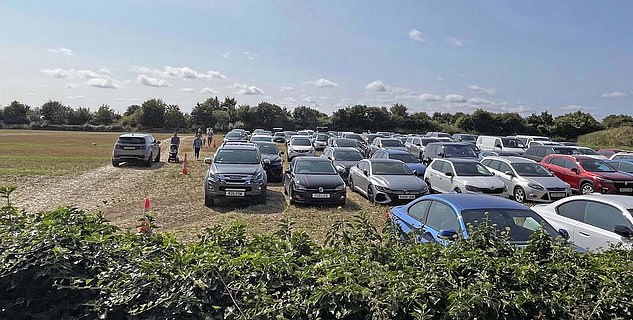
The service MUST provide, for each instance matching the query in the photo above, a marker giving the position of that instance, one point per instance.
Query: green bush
(619, 138)
(70, 264)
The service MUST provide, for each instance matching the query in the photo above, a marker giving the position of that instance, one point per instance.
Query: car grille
(301, 151)
(223, 188)
(623, 184)
(556, 189)
(235, 178)
(488, 190)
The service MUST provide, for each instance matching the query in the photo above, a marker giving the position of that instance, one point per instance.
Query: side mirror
(208, 160)
(441, 154)
(340, 170)
(449, 174)
(281, 153)
(330, 158)
(563, 233)
(510, 173)
(266, 162)
(415, 172)
(623, 231)
(498, 146)
(365, 172)
(449, 234)
(287, 171)
(574, 170)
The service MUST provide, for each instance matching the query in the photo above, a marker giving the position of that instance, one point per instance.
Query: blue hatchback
(444, 217)
(405, 156)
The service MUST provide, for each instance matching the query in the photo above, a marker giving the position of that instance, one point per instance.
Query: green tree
(54, 112)
(615, 121)
(79, 116)
(308, 118)
(202, 113)
(510, 123)
(571, 125)
(152, 114)
(542, 124)
(103, 116)
(16, 113)
(132, 109)
(174, 118)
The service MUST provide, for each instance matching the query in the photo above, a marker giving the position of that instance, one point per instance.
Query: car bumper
(397, 197)
(219, 189)
(546, 196)
(300, 154)
(137, 156)
(503, 194)
(611, 189)
(308, 196)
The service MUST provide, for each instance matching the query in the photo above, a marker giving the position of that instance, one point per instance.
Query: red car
(587, 175)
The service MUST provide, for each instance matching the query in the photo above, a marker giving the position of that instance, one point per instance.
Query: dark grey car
(136, 147)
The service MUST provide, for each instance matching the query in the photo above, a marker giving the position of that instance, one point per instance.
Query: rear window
(131, 140)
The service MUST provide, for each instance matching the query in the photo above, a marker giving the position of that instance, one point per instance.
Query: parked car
(343, 158)
(588, 175)
(369, 137)
(537, 153)
(594, 222)
(314, 180)
(320, 141)
(137, 148)
(261, 138)
(352, 135)
(299, 146)
(624, 165)
(236, 171)
(279, 137)
(500, 144)
(567, 143)
(527, 180)
(438, 135)
(527, 139)
(465, 137)
(442, 218)
(543, 143)
(416, 145)
(349, 143)
(590, 153)
(235, 135)
(271, 158)
(386, 181)
(609, 152)
(384, 144)
(447, 150)
(622, 156)
(463, 176)
(495, 153)
(405, 156)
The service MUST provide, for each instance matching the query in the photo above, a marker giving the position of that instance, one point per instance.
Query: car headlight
(603, 180)
(505, 188)
(259, 176)
(382, 189)
(211, 178)
(535, 186)
(471, 188)
(340, 187)
(299, 186)
(340, 168)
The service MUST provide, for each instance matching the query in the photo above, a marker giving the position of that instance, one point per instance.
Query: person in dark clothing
(197, 144)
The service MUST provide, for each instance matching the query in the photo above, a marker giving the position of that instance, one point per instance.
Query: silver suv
(236, 171)
(136, 147)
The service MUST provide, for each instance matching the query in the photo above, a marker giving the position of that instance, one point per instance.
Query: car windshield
(131, 140)
(314, 167)
(521, 223)
(443, 135)
(468, 138)
(588, 151)
(541, 139)
(268, 148)
(531, 170)
(623, 156)
(391, 168)
(568, 151)
(404, 157)
(512, 143)
(322, 137)
(300, 142)
(459, 151)
(234, 156)
(233, 134)
(507, 154)
(471, 169)
(594, 165)
(346, 143)
(348, 155)
(262, 138)
(391, 143)
(426, 141)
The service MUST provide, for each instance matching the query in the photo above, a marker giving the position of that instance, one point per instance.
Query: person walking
(209, 136)
(197, 144)
(175, 139)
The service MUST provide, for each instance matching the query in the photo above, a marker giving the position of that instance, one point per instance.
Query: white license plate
(235, 193)
(321, 195)
(129, 148)
(558, 194)
(406, 196)
(626, 189)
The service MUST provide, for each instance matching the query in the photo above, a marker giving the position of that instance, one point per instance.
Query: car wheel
(208, 201)
(351, 183)
(157, 157)
(115, 163)
(458, 190)
(291, 194)
(148, 162)
(428, 184)
(262, 198)
(586, 188)
(519, 195)
(370, 194)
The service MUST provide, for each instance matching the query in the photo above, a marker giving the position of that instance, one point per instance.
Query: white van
(527, 139)
(500, 143)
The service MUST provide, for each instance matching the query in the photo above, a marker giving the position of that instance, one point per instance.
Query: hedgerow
(71, 264)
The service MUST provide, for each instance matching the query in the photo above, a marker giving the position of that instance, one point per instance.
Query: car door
(447, 182)
(440, 217)
(362, 180)
(599, 223)
(414, 218)
(570, 176)
(435, 175)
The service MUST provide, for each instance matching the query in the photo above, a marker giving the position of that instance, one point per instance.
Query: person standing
(209, 136)
(197, 144)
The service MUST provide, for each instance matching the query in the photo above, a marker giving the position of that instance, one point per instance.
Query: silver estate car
(527, 180)
(386, 181)
(136, 147)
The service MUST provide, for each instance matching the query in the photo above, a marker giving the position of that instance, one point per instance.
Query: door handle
(583, 233)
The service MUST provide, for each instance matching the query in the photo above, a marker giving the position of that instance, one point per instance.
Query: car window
(437, 165)
(557, 162)
(503, 167)
(447, 167)
(625, 166)
(471, 169)
(419, 210)
(595, 165)
(486, 162)
(494, 164)
(569, 164)
(573, 210)
(442, 217)
(604, 216)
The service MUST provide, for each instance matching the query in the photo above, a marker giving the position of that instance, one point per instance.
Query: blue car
(441, 218)
(405, 156)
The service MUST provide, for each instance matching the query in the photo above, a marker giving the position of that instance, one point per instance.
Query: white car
(463, 176)
(590, 153)
(299, 146)
(622, 155)
(594, 221)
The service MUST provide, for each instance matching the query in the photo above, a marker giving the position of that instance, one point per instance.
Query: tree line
(226, 114)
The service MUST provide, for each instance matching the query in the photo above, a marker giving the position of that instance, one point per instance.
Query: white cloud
(75, 97)
(250, 55)
(481, 90)
(290, 99)
(226, 55)
(416, 35)
(456, 98)
(430, 97)
(74, 74)
(247, 90)
(152, 82)
(377, 86)
(440, 78)
(188, 90)
(575, 107)
(65, 51)
(323, 83)
(208, 90)
(614, 94)
(71, 86)
(181, 72)
(106, 71)
(103, 83)
(478, 101)
(286, 88)
(456, 42)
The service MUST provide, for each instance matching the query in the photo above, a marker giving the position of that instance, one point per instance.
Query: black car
(343, 158)
(271, 154)
(314, 180)
(448, 150)
(279, 137)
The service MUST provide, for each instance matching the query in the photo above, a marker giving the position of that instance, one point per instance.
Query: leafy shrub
(70, 264)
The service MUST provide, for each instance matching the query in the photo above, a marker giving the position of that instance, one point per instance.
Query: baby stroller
(173, 153)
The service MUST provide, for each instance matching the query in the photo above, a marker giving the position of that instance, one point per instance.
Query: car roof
(511, 159)
(625, 201)
(134, 135)
(450, 143)
(343, 149)
(265, 143)
(238, 145)
(392, 151)
(374, 160)
(311, 159)
(464, 201)
(453, 160)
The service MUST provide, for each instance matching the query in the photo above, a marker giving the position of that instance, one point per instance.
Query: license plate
(406, 197)
(558, 194)
(626, 189)
(129, 148)
(235, 193)
(321, 195)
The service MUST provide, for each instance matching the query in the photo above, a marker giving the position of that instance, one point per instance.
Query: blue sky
(450, 56)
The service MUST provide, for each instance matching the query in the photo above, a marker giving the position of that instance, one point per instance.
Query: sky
(448, 56)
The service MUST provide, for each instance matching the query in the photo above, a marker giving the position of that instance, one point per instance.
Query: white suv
(463, 176)
(300, 146)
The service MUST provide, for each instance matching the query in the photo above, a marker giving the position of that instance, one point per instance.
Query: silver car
(463, 176)
(527, 180)
(386, 181)
(136, 147)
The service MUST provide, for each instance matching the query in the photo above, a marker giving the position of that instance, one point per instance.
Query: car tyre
(370, 194)
(148, 162)
(115, 163)
(157, 159)
(208, 201)
(351, 183)
(428, 184)
(290, 195)
(519, 195)
(586, 188)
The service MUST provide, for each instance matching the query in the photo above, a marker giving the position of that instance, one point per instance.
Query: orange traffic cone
(146, 205)
(184, 166)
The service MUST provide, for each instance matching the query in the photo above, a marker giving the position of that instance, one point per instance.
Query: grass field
(53, 168)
